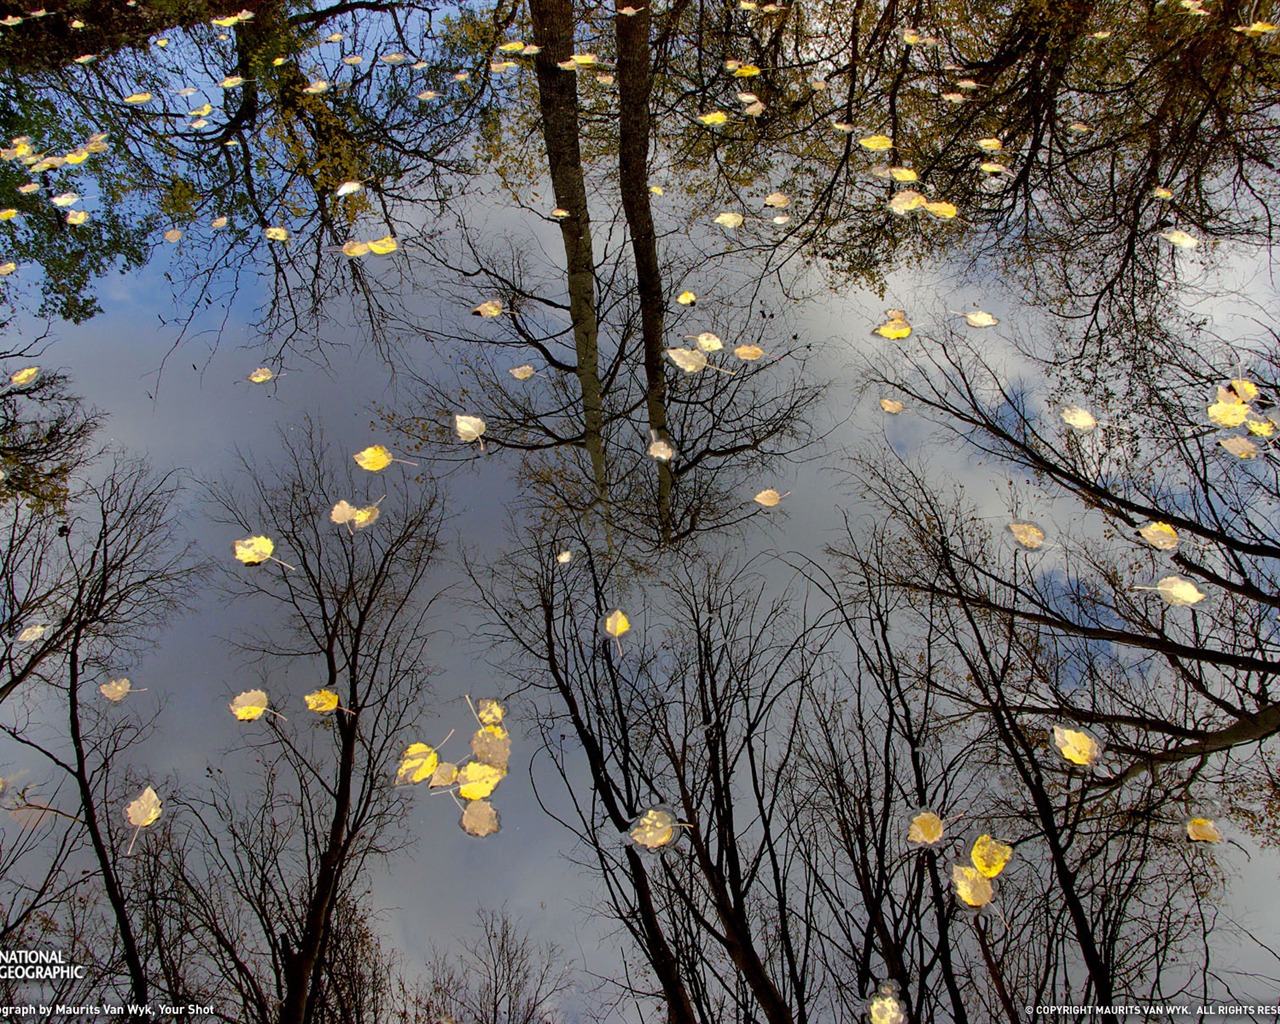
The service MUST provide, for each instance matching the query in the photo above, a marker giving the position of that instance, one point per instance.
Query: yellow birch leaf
(490, 711)
(748, 353)
(317, 87)
(354, 248)
(971, 887)
(260, 376)
(218, 222)
(1160, 536)
(905, 201)
(1246, 389)
(24, 376)
(1076, 745)
(656, 189)
(745, 71)
(138, 97)
(688, 359)
(363, 517)
(707, 341)
(254, 550)
(661, 450)
(940, 209)
(1160, 192)
(522, 372)
(417, 764)
(989, 856)
(977, 318)
(77, 216)
(512, 47)
(653, 829)
(7, 268)
(729, 220)
(777, 200)
(203, 110)
(769, 498)
(1241, 447)
(277, 234)
(1029, 535)
(715, 117)
(382, 246)
(476, 781)
(66, 199)
(1260, 427)
(490, 307)
(1177, 592)
(31, 633)
(564, 557)
(990, 145)
(875, 143)
(894, 329)
(1228, 410)
(992, 167)
(374, 458)
(144, 810)
(1180, 238)
(1202, 830)
(173, 235)
(8, 214)
(321, 701)
(480, 818)
(1080, 419)
(617, 623)
(926, 828)
(116, 690)
(469, 428)
(249, 705)
(892, 406)
(686, 298)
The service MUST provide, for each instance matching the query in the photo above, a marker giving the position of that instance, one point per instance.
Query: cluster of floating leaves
(473, 781)
(1233, 408)
(973, 884)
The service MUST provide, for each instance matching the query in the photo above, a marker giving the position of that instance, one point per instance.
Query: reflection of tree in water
(931, 663)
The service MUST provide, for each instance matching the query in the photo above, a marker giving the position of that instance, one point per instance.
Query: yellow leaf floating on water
(276, 234)
(374, 458)
(469, 428)
(730, 220)
(116, 690)
(1256, 29)
(77, 217)
(31, 633)
(940, 209)
(892, 406)
(1241, 447)
(926, 829)
(1229, 410)
(218, 222)
(992, 167)
(661, 450)
(901, 174)
(971, 887)
(260, 376)
(66, 199)
(746, 71)
(876, 143)
(905, 201)
(977, 318)
(490, 307)
(990, 145)
(688, 359)
(989, 856)
(480, 818)
(1202, 830)
(895, 328)
(254, 550)
(490, 711)
(1160, 192)
(354, 248)
(1081, 419)
(346, 514)
(777, 200)
(1160, 536)
(249, 705)
(707, 341)
(1076, 745)
(686, 298)
(1261, 428)
(748, 353)
(1178, 592)
(231, 82)
(653, 829)
(769, 498)
(522, 372)
(564, 557)
(383, 245)
(476, 781)
(418, 763)
(173, 235)
(7, 268)
(714, 117)
(1180, 238)
(144, 810)
(617, 623)
(24, 376)
(321, 701)
(1029, 535)
(138, 97)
